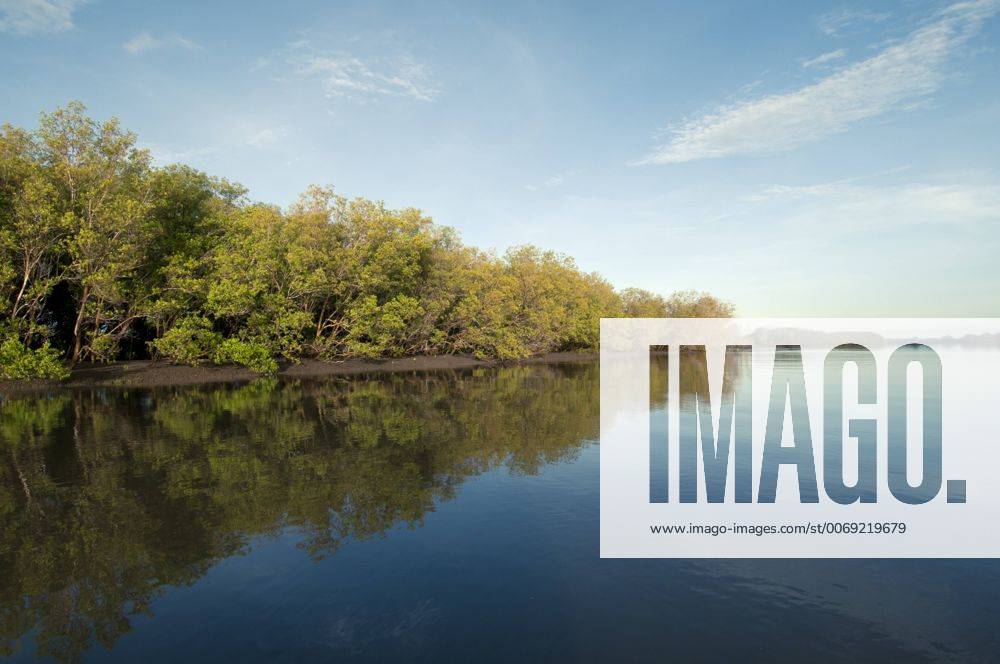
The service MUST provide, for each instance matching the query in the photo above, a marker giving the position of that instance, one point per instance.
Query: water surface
(416, 517)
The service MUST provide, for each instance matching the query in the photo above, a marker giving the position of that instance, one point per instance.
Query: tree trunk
(20, 293)
(76, 330)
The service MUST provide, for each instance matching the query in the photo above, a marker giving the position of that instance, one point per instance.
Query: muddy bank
(145, 373)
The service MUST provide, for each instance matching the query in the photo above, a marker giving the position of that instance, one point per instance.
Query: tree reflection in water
(107, 496)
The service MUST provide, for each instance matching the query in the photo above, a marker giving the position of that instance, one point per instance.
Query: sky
(797, 159)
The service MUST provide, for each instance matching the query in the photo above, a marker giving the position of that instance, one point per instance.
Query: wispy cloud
(37, 16)
(163, 155)
(848, 205)
(894, 79)
(846, 19)
(349, 76)
(552, 181)
(238, 137)
(825, 58)
(145, 41)
(256, 136)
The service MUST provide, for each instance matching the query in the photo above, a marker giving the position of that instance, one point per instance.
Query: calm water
(407, 517)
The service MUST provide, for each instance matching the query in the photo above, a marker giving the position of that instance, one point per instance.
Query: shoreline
(148, 373)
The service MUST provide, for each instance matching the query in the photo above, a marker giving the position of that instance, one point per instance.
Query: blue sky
(795, 158)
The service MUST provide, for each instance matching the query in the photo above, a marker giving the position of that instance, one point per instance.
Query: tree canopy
(106, 256)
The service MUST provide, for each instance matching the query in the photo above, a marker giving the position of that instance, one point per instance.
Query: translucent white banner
(800, 438)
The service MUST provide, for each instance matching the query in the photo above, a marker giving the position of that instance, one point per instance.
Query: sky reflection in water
(416, 517)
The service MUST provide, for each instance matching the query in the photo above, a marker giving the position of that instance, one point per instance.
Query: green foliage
(182, 263)
(17, 361)
(639, 303)
(250, 354)
(190, 341)
(693, 304)
(381, 331)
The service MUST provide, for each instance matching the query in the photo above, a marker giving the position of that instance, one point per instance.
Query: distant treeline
(107, 257)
